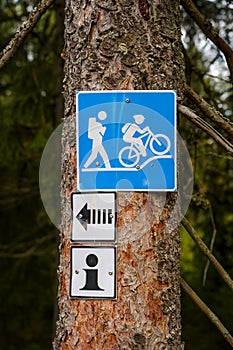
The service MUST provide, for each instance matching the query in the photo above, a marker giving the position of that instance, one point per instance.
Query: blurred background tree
(31, 108)
(210, 211)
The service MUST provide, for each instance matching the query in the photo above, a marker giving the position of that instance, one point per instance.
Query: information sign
(93, 273)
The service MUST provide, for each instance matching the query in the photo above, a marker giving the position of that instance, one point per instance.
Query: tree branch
(207, 252)
(23, 31)
(211, 245)
(211, 33)
(213, 318)
(216, 136)
(209, 111)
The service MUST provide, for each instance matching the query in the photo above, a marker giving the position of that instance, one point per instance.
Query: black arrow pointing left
(84, 216)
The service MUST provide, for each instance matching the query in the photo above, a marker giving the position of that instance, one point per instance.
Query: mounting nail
(77, 272)
(97, 164)
(110, 273)
(127, 100)
(137, 166)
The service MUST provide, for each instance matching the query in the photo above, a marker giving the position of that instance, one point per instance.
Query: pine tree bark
(116, 45)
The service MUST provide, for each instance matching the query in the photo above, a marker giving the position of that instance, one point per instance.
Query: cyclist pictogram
(158, 144)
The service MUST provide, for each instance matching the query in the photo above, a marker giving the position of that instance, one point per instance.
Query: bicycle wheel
(128, 156)
(160, 144)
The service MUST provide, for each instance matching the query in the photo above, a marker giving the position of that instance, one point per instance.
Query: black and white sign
(94, 216)
(93, 272)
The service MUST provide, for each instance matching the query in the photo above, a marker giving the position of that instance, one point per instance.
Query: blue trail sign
(126, 140)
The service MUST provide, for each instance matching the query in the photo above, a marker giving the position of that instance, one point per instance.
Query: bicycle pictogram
(158, 144)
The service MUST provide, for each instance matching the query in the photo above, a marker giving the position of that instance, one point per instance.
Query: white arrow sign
(94, 216)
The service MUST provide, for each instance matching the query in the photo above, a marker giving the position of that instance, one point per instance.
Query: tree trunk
(122, 45)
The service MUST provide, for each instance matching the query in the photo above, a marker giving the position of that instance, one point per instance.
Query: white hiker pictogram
(96, 132)
(159, 144)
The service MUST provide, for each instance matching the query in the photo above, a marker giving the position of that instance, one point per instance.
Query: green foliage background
(212, 202)
(29, 94)
(28, 240)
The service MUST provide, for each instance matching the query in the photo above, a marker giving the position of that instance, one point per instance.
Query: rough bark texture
(125, 44)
